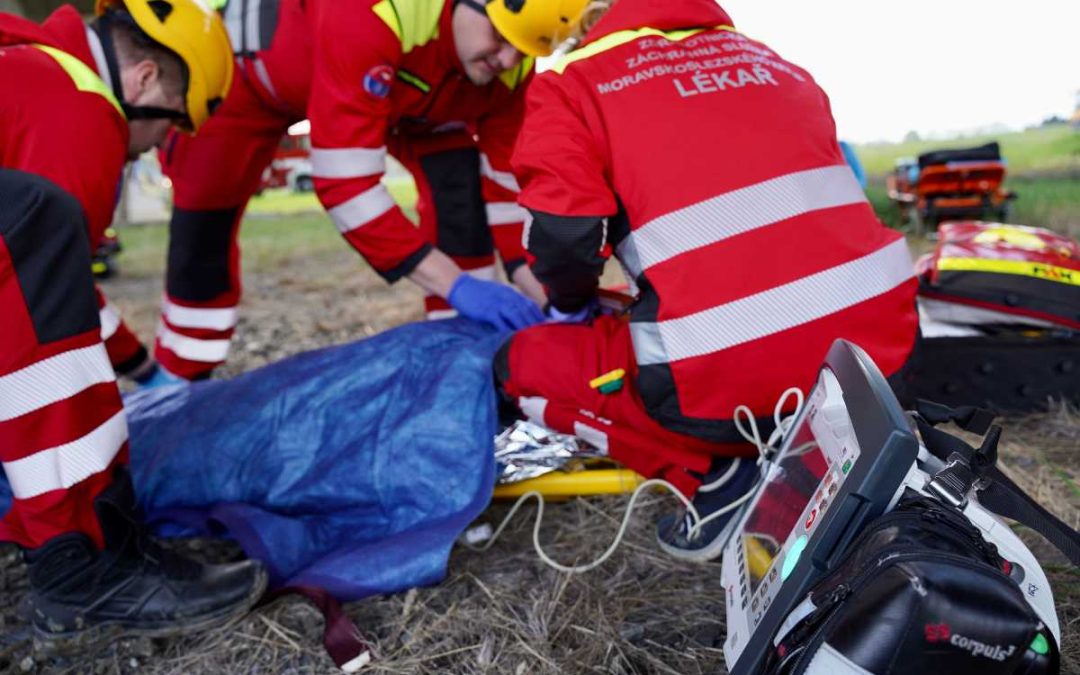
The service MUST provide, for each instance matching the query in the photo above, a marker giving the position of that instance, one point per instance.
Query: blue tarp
(352, 468)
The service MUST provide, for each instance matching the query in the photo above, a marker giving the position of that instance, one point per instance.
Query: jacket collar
(97, 53)
(662, 15)
(63, 29)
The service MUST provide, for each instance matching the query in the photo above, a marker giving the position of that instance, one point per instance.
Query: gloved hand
(159, 377)
(493, 303)
(580, 316)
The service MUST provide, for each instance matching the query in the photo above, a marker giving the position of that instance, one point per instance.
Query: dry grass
(501, 611)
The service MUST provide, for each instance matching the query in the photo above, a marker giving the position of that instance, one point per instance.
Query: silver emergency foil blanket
(526, 450)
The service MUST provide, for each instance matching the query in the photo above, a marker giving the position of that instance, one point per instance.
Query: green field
(1053, 150)
(1043, 202)
(282, 225)
(1043, 170)
(283, 201)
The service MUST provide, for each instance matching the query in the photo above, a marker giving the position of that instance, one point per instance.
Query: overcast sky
(933, 66)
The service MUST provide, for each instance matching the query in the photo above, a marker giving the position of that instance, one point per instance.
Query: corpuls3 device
(864, 552)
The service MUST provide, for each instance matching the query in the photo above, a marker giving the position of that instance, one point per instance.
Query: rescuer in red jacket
(427, 81)
(76, 101)
(709, 165)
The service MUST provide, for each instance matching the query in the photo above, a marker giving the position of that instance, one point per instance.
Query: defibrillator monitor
(841, 464)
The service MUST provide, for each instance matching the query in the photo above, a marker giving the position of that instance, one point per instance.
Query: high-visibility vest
(82, 75)
(414, 22)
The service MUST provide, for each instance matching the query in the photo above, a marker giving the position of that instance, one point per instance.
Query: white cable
(722, 480)
(577, 569)
(765, 450)
(702, 522)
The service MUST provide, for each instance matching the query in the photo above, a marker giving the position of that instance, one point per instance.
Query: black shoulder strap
(1005, 498)
(995, 490)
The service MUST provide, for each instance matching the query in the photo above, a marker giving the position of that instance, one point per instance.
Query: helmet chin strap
(102, 26)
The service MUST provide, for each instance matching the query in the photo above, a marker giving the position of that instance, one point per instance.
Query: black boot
(80, 595)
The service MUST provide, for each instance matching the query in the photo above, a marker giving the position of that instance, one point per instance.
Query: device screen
(784, 499)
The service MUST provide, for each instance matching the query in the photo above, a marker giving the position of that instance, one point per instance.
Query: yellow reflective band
(82, 75)
(622, 37)
(414, 22)
(516, 75)
(218, 5)
(1062, 275)
(385, 11)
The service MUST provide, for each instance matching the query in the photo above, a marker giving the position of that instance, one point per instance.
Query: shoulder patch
(377, 81)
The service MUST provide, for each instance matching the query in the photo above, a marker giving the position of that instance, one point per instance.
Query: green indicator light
(1039, 645)
(846, 467)
(792, 558)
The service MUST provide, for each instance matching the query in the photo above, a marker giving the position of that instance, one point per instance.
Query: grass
(1040, 151)
(1043, 170)
(283, 201)
(287, 225)
(1043, 202)
(1049, 202)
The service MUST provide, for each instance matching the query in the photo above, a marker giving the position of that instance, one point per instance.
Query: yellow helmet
(535, 27)
(196, 34)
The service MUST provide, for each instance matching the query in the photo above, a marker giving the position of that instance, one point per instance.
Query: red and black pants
(62, 424)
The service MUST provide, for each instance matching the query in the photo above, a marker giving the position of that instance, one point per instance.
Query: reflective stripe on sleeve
(348, 162)
(504, 213)
(503, 179)
(362, 209)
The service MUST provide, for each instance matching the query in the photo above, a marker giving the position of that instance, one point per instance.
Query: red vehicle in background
(291, 166)
(951, 184)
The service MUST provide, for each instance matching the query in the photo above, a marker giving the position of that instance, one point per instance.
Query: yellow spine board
(576, 484)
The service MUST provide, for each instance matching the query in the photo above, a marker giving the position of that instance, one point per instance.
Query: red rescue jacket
(49, 126)
(711, 166)
(63, 129)
(378, 76)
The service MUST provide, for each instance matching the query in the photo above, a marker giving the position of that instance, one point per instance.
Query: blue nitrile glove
(580, 316)
(159, 377)
(493, 303)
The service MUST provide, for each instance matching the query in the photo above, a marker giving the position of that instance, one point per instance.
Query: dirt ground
(501, 611)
